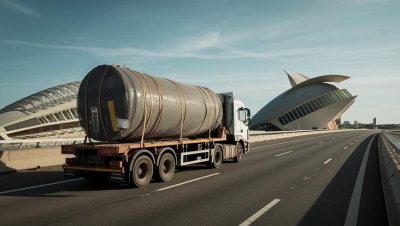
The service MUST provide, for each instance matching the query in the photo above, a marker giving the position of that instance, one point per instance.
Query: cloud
(215, 45)
(183, 52)
(220, 51)
(374, 81)
(20, 8)
(196, 44)
(350, 3)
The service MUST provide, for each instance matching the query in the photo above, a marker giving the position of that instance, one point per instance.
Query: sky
(225, 45)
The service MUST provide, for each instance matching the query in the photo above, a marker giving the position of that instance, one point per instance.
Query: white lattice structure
(48, 113)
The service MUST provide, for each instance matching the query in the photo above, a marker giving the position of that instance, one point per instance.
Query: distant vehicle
(144, 126)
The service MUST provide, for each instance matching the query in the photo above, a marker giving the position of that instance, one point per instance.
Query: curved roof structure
(48, 110)
(295, 78)
(309, 104)
(319, 79)
(45, 98)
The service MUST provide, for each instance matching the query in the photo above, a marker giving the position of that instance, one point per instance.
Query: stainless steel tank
(119, 104)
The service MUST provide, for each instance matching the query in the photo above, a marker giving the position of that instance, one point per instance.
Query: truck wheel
(239, 153)
(217, 158)
(166, 168)
(142, 171)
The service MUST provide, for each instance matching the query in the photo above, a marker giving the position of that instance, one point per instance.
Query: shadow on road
(46, 182)
(332, 205)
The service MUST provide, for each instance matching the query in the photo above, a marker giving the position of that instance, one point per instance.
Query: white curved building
(309, 104)
(48, 113)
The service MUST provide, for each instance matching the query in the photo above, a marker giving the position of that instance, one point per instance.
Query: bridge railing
(389, 158)
(45, 142)
(391, 140)
(262, 132)
(37, 143)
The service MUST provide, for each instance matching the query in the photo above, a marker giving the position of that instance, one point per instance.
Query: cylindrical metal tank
(119, 104)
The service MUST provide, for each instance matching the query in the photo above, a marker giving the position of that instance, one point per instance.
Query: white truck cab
(236, 116)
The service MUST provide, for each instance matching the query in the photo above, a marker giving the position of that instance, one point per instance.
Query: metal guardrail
(394, 133)
(37, 143)
(392, 143)
(255, 132)
(261, 132)
(389, 158)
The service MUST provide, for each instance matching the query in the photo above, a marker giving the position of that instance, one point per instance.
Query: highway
(309, 180)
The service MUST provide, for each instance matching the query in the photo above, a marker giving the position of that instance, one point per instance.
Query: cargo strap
(183, 108)
(100, 108)
(145, 120)
(86, 104)
(205, 96)
(161, 105)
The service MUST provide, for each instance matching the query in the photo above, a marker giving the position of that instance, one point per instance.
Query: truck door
(242, 116)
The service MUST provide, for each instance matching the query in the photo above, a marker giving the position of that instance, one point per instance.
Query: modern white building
(309, 104)
(48, 113)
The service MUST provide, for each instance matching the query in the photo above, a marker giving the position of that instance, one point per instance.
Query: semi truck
(141, 127)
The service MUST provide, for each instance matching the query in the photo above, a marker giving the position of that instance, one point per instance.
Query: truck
(139, 127)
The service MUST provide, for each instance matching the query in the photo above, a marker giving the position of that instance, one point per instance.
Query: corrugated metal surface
(118, 104)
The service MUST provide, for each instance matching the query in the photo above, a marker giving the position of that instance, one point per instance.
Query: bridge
(346, 177)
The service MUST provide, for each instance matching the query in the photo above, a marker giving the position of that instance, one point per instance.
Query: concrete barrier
(14, 160)
(390, 173)
(264, 136)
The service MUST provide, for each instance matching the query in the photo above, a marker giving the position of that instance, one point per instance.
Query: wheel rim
(240, 152)
(217, 156)
(142, 171)
(166, 167)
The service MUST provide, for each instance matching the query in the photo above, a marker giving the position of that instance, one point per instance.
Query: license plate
(117, 177)
(70, 173)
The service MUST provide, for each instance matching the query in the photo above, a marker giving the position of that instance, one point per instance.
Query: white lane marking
(327, 161)
(260, 212)
(287, 142)
(351, 144)
(321, 142)
(39, 186)
(284, 153)
(356, 140)
(352, 212)
(345, 148)
(333, 138)
(186, 182)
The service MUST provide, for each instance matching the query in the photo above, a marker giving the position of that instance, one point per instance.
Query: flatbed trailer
(137, 163)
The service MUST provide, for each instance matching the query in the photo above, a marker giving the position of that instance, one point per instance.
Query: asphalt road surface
(327, 179)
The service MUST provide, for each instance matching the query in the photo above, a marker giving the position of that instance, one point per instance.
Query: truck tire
(166, 167)
(217, 158)
(239, 153)
(142, 171)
